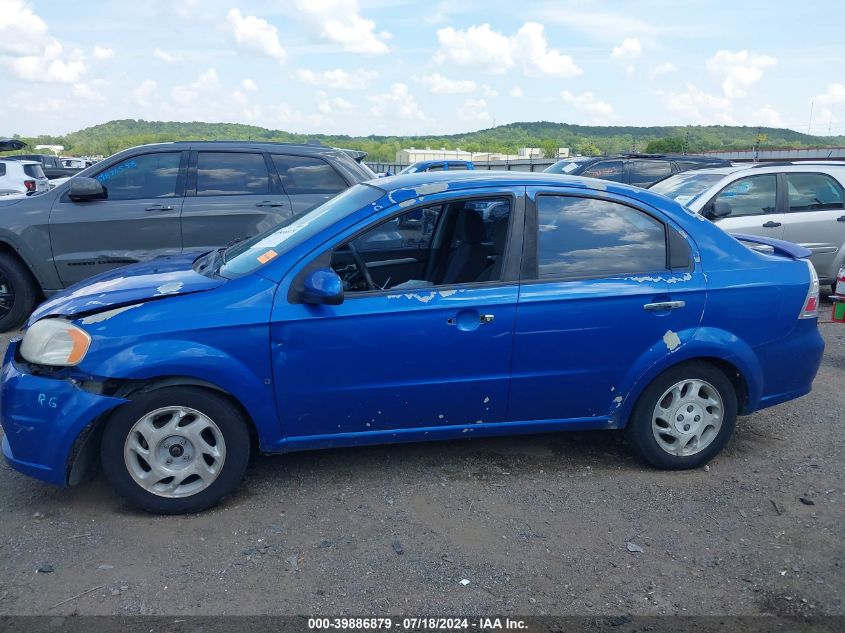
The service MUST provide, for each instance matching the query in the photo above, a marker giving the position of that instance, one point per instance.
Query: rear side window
(301, 175)
(231, 173)
(606, 170)
(754, 195)
(34, 171)
(586, 237)
(811, 192)
(453, 166)
(648, 172)
(145, 176)
(2, 169)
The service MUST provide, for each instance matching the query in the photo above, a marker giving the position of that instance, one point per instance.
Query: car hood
(157, 279)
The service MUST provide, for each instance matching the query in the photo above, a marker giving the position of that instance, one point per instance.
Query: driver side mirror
(719, 209)
(323, 287)
(82, 189)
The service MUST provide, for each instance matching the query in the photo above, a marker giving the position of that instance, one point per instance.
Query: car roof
(763, 168)
(8, 159)
(263, 146)
(457, 180)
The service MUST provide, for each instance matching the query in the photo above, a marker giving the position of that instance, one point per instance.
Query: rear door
(607, 286)
(755, 204)
(231, 195)
(307, 180)
(644, 173)
(606, 170)
(138, 221)
(816, 218)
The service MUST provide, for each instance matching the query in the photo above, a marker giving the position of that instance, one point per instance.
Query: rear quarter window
(304, 175)
(34, 171)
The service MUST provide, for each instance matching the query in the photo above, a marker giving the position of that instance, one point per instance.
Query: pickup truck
(51, 165)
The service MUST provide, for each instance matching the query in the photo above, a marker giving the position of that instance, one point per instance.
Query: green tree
(673, 144)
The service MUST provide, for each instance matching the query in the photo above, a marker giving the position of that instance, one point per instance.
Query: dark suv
(640, 170)
(156, 200)
(52, 166)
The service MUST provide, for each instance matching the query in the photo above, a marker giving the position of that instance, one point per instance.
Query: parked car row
(156, 200)
(509, 303)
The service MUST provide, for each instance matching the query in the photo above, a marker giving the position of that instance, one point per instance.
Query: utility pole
(810, 124)
(633, 144)
(757, 146)
(686, 141)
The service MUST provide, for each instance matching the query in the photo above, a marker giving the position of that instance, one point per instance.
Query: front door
(308, 181)
(601, 293)
(754, 206)
(138, 221)
(423, 338)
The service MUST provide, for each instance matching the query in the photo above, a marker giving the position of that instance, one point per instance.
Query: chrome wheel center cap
(687, 417)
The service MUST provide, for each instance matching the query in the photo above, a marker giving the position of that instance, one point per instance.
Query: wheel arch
(9, 248)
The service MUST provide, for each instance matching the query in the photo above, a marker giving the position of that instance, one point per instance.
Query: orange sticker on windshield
(267, 256)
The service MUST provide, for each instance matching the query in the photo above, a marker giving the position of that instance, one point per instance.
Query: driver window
(754, 195)
(145, 176)
(453, 243)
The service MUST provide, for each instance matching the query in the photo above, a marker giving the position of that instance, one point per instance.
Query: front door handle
(771, 225)
(660, 306)
(841, 218)
(269, 203)
(160, 207)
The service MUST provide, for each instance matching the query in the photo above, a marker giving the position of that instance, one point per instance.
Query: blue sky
(396, 67)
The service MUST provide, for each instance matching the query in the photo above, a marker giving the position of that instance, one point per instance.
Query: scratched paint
(672, 340)
(170, 288)
(108, 314)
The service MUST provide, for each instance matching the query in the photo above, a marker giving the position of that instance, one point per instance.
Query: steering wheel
(362, 266)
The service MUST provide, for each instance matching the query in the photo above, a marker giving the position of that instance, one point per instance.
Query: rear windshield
(685, 187)
(34, 171)
(250, 255)
(566, 166)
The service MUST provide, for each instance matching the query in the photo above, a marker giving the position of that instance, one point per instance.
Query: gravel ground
(536, 525)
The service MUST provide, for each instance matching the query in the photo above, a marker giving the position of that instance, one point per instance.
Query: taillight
(811, 303)
(29, 184)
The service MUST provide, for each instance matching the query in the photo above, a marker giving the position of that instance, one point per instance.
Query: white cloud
(516, 92)
(738, 70)
(663, 69)
(29, 52)
(397, 102)
(768, 117)
(240, 98)
(185, 95)
(598, 111)
(249, 85)
(530, 45)
(489, 91)
(167, 57)
(699, 107)
(438, 84)
(478, 46)
(330, 105)
(87, 92)
(339, 21)
(826, 104)
(103, 53)
(627, 52)
(143, 93)
(338, 79)
(482, 47)
(475, 111)
(255, 35)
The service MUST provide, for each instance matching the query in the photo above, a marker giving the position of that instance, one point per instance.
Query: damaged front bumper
(45, 420)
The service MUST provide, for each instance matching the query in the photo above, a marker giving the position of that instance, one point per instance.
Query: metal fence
(535, 164)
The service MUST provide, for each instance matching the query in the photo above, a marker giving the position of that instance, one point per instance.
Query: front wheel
(175, 450)
(684, 417)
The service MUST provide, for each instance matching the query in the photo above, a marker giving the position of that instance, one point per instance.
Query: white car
(22, 177)
(801, 202)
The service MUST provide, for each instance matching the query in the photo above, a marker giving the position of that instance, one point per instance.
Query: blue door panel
(394, 361)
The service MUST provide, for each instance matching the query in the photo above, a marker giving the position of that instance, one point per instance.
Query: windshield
(686, 187)
(566, 166)
(245, 257)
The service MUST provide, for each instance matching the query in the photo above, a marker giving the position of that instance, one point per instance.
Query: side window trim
(783, 185)
(529, 273)
(513, 250)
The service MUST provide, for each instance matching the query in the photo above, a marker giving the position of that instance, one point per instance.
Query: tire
(705, 404)
(18, 293)
(201, 432)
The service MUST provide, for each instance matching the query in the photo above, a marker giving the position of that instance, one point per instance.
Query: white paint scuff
(672, 340)
(108, 314)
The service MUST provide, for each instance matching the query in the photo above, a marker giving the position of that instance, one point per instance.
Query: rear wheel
(18, 293)
(684, 417)
(176, 450)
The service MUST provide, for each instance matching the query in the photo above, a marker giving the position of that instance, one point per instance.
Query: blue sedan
(411, 308)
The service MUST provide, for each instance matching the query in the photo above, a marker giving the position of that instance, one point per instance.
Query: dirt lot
(537, 525)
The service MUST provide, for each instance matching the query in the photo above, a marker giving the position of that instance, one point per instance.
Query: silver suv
(802, 203)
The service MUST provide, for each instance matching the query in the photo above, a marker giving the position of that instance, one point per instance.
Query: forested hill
(113, 136)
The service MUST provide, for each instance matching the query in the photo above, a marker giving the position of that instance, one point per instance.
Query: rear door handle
(771, 225)
(269, 203)
(483, 319)
(660, 306)
(160, 207)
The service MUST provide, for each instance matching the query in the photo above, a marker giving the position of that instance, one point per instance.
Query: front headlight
(55, 342)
